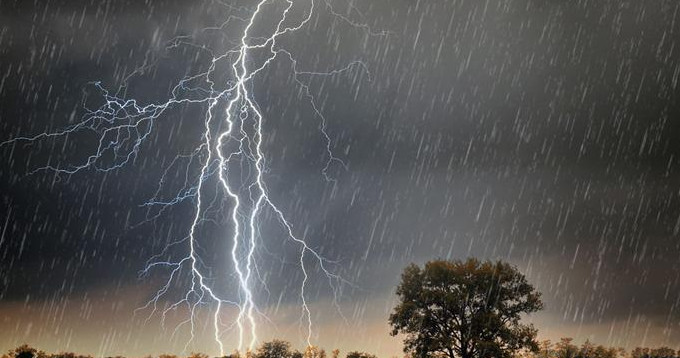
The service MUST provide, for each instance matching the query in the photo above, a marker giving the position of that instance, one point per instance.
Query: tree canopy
(274, 349)
(467, 309)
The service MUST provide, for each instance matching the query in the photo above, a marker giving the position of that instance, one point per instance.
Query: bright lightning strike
(231, 141)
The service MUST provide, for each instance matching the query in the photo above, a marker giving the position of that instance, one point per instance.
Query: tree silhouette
(465, 309)
(565, 349)
(314, 352)
(274, 349)
(25, 351)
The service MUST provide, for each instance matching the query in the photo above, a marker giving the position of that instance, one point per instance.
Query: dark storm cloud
(541, 132)
(574, 142)
(51, 53)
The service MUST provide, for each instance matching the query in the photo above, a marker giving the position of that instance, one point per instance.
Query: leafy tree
(545, 350)
(25, 351)
(314, 352)
(274, 349)
(468, 309)
(589, 350)
(565, 349)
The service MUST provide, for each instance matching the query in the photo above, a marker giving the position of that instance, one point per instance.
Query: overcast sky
(544, 133)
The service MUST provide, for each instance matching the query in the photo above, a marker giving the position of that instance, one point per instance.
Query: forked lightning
(123, 124)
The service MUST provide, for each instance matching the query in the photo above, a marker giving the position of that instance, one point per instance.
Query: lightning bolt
(231, 145)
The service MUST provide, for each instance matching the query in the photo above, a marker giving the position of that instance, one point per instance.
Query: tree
(589, 350)
(545, 350)
(25, 351)
(274, 349)
(314, 352)
(468, 309)
(566, 349)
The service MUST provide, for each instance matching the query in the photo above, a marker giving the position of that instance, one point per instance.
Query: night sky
(540, 132)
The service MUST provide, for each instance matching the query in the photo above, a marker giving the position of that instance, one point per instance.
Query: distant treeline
(565, 348)
(273, 349)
